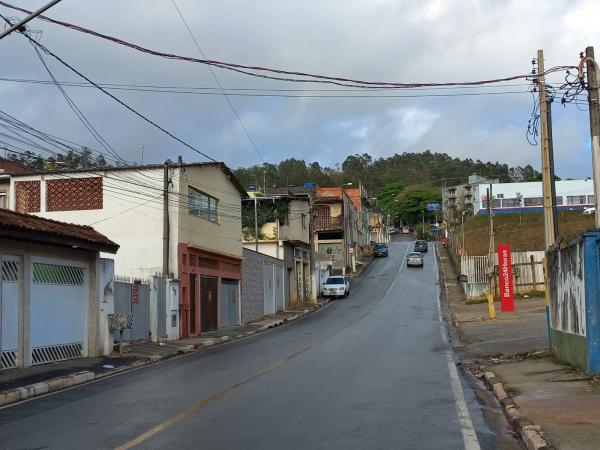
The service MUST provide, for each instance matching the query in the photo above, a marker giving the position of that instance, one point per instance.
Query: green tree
(412, 203)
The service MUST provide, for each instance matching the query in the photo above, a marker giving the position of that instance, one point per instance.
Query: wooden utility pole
(593, 77)
(548, 189)
(166, 224)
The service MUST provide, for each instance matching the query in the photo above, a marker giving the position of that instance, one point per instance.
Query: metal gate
(10, 283)
(58, 310)
(279, 288)
(133, 298)
(230, 303)
(161, 306)
(269, 293)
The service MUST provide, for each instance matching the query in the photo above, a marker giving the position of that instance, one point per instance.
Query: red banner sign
(507, 298)
(136, 294)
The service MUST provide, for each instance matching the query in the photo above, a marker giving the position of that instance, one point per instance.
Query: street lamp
(345, 184)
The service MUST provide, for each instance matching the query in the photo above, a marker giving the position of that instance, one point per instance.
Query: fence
(528, 273)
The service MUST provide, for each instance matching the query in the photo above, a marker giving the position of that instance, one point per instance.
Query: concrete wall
(574, 281)
(253, 303)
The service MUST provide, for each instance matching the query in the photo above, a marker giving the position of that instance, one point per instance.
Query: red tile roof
(14, 225)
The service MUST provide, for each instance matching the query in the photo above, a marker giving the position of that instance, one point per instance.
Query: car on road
(336, 286)
(380, 250)
(414, 259)
(421, 246)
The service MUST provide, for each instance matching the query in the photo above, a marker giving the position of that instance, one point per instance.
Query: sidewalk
(21, 384)
(511, 354)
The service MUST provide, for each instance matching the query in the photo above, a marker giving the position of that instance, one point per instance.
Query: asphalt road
(370, 371)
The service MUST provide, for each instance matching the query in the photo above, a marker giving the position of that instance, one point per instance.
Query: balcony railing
(328, 223)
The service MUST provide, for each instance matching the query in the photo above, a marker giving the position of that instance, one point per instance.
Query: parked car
(589, 211)
(380, 250)
(415, 259)
(336, 286)
(421, 246)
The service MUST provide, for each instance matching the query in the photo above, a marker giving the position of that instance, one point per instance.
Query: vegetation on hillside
(410, 169)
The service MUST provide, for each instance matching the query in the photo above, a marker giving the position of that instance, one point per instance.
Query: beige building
(191, 234)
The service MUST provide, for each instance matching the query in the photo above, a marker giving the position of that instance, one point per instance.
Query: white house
(528, 197)
(191, 232)
(55, 292)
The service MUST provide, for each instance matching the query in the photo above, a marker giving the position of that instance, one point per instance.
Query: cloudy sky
(383, 40)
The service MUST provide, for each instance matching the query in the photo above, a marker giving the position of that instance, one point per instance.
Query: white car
(589, 211)
(336, 286)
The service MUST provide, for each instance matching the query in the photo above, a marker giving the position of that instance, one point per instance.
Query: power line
(239, 119)
(260, 72)
(122, 103)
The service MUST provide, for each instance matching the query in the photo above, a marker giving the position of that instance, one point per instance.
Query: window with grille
(591, 199)
(57, 274)
(576, 199)
(10, 271)
(202, 205)
(533, 201)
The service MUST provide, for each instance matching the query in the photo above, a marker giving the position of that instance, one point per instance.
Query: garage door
(269, 291)
(230, 305)
(59, 296)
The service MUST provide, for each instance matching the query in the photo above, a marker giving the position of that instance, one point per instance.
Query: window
(559, 200)
(303, 216)
(3, 200)
(576, 199)
(533, 201)
(499, 195)
(591, 199)
(202, 205)
(511, 203)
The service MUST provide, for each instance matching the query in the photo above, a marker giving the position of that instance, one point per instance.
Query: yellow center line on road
(213, 398)
(206, 402)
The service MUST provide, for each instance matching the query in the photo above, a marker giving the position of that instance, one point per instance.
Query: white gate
(269, 291)
(58, 307)
(10, 284)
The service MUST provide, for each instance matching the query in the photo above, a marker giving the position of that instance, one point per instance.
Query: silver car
(414, 259)
(336, 286)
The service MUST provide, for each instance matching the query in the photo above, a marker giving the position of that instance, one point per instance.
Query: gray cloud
(390, 40)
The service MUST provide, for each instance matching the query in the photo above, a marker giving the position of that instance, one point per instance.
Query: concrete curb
(532, 435)
(10, 396)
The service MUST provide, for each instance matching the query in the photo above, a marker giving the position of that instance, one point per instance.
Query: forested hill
(432, 169)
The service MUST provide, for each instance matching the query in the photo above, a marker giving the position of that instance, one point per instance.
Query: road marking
(467, 430)
(206, 402)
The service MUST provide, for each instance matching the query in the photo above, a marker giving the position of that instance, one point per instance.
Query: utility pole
(593, 75)
(21, 24)
(490, 211)
(311, 241)
(548, 189)
(255, 223)
(166, 225)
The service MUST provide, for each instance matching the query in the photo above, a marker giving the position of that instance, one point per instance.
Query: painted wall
(224, 236)
(574, 281)
(269, 248)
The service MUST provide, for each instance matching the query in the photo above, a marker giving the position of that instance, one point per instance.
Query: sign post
(507, 298)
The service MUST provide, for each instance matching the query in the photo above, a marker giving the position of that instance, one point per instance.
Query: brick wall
(253, 304)
(27, 196)
(75, 194)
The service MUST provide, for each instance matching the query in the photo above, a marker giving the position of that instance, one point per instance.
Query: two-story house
(175, 220)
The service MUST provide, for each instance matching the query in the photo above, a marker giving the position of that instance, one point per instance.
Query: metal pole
(462, 229)
(166, 225)
(255, 224)
(31, 16)
(594, 106)
(547, 181)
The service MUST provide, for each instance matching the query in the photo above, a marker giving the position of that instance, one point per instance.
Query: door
(269, 292)
(58, 306)
(10, 283)
(133, 298)
(279, 293)
(230, 303)
(209, 306)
